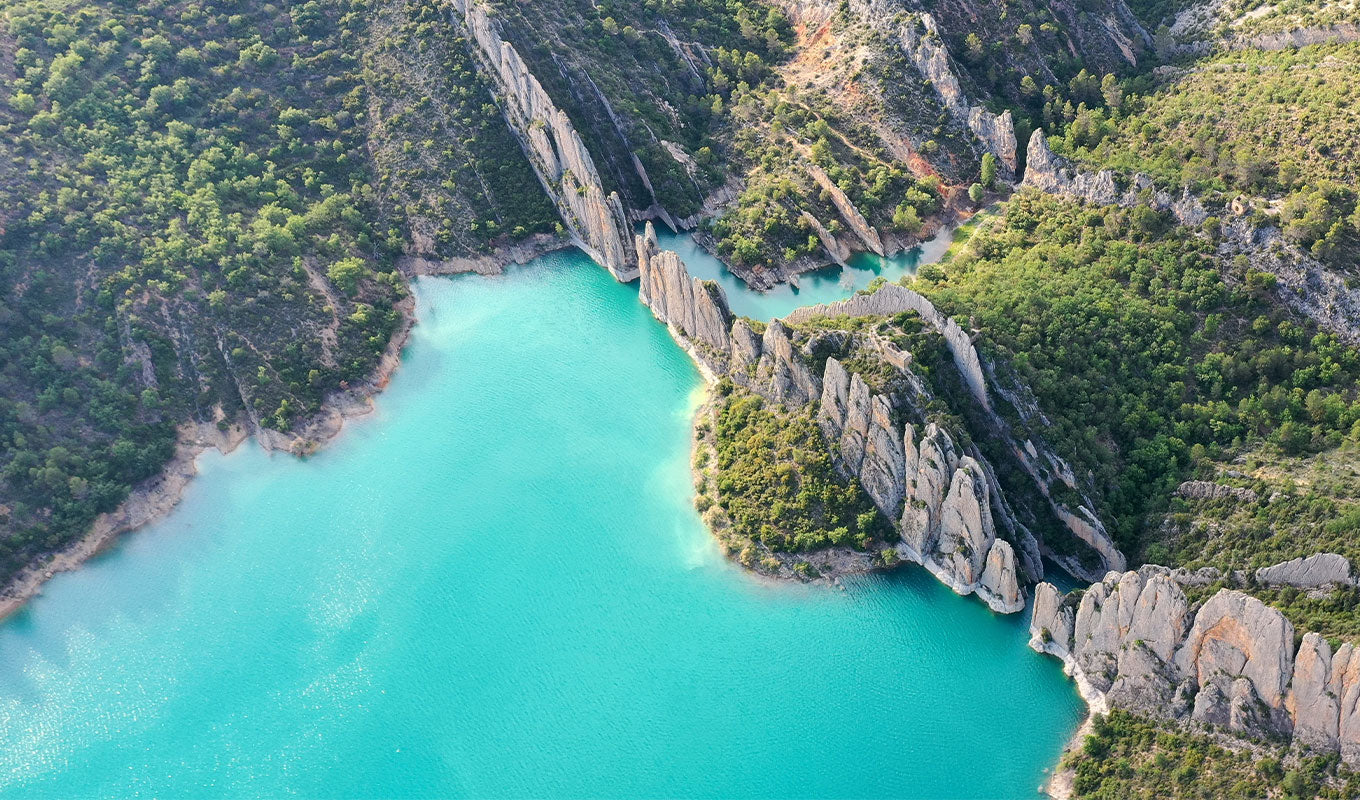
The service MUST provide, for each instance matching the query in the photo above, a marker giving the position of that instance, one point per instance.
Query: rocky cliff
(941, 503)
(1043, 466)
(595, 218)
(944, 503)
(1302, 282)
(696, 308)
(1133, 641)
(920, 40)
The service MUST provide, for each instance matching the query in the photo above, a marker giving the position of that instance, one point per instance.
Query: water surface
(496, 586)
(822, 286)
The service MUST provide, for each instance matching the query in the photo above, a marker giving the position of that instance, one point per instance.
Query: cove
(820, 286)
(496, 586)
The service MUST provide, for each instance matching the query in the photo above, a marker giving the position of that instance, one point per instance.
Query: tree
(988, 172)
(974, 47)
(976, 193)
(346, 273)
(1112, 92)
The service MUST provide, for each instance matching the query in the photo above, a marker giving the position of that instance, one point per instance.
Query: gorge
(518, 505)
(820, 355)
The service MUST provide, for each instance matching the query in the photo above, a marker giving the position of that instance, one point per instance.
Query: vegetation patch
(1127, 756)
(771, 476)
(1145, 353)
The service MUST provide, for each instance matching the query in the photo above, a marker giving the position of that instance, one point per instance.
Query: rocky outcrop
(697, 308)
(838, 252)
(920, 39)
(1048, 172)
(853, 218)
(894, 299)
(932, 469)
(781, 374)
(1236, 637)
(1314, 572)
(941, 500)
(1297, 37)
(595, 218)
(1302, 282)
(1089, 529)
(999, 585)
(1133, 642)
(1207, 490)
(1053, 621)
(869, 441)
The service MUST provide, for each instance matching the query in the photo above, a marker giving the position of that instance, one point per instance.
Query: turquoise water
(823, 286)
(495, 586)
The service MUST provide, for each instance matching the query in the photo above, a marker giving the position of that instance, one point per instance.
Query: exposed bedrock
(595, 218)
(849, 213)
(697, 308)
(1314, 572)
(894, 299)
(940, 502)
(1132, 641)
(920, 40)
(943, 503)
(1302, 282)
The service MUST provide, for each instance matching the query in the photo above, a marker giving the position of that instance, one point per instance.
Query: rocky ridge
(944, 500)
(920, 40)
(1133, 641)
(1044, 467)
(1303, 283)
(596, 219)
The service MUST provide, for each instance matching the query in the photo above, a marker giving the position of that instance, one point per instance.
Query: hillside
(1139, 363)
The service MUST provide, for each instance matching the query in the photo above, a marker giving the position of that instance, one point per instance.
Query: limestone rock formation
(966, 529)
(595, 218)
(1208, 490)
(838, 252)
(868, 443)
(787, 378)
(853, 218)
(1312, 703)
(1047, 171)
(1134, 643)
(922, 43)
(746, 349)
(1052, 622)
(999, 585)
(697, 308)
(1313, 572)
(895, 299)
(935, 462)
(1237, 635)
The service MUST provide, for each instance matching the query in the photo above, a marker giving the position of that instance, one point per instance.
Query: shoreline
(493, 263)
(154, 498)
